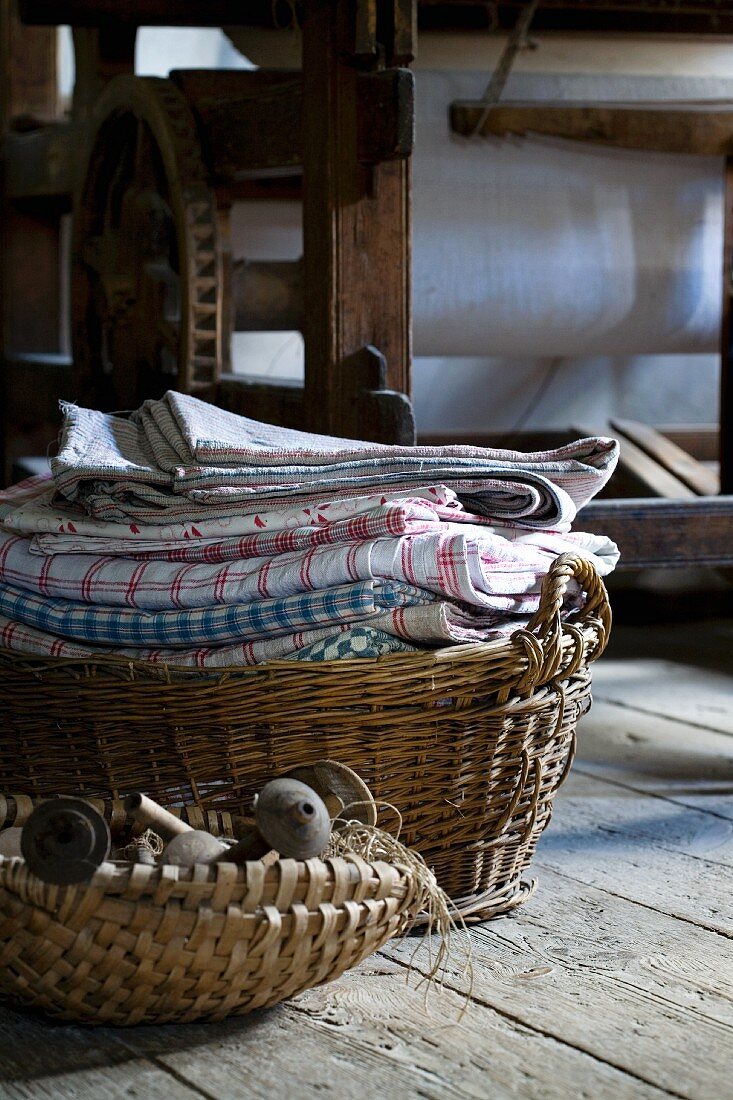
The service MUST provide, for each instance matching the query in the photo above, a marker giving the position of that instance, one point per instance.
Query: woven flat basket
(144, 944)
(469, 742)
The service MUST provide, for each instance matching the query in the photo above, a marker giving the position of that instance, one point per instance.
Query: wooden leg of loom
(726, 347)
(356, 230)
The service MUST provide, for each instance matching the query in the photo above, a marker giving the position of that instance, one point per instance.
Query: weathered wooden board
(646, 982)
(38, 1059)
(356, 233)
(705, 129)
(673, 858)
(701, 479)
(653, 672)
(367, 1034)
(658, 756)
(658, 533)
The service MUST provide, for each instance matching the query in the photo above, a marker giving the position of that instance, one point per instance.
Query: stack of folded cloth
(188, 535)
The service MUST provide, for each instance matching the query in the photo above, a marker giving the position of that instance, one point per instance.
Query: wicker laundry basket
(144, 944)
(469, 742)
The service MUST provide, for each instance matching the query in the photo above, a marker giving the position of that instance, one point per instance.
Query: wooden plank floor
(615, 979)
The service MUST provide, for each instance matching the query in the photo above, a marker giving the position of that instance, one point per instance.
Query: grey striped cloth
(181, 457)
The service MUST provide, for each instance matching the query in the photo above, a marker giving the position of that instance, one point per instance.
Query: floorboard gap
(598, 694)
(724, 933)
(163, 1065)
(592, 774)
(512, 1018)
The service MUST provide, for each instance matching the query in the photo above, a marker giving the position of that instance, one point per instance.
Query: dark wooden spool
(65, 840)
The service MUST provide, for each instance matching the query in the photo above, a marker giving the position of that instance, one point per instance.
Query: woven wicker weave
(144, 944)
(469, 742)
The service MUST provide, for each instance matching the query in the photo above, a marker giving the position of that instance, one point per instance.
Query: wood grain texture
(368, 1034)
(62, 1062)
(659, 756)
(356, 230)
(700, 479)
(654, 531)
(644, 982)
(679, 671)
(700, 129)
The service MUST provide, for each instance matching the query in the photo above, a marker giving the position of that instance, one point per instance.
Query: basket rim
(114, 878)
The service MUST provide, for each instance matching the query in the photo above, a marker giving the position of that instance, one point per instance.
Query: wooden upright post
(30, 256)
(726, 342)
(356, 218)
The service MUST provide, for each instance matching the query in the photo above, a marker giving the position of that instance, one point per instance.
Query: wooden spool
(145, 811)
(65, 840)
(292, 819)
(196, 846)
(344, 793)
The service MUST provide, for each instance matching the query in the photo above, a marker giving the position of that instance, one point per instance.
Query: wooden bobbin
(292, 818)
(147, 812)
(251, 845)
(196, 846)
(345, 793)
(65, 840)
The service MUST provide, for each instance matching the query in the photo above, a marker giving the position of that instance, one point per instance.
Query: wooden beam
(28, 76)
(699, 440)
(383, 414)
(278, 402)
(30, 389)
(162, 13)
(99, 56)
(30, 278)
(700, 479)
(42, 164)
(356, 228)
(705, 129)
(726, 337)
(654, 533)
(611, 16)
(637, 474)
(385, 115)
(251, 119)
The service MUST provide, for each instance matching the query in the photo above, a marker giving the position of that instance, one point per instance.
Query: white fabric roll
(543, 247)
(538, 247)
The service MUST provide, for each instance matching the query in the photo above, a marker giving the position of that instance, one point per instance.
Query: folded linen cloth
(391, 520)
(179, 447)
(41, 511)
(124, 626)
(309, 645)
(465, 563)
(435, 623)
(358, 641)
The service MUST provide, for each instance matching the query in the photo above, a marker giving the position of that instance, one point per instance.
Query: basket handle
(546, 624)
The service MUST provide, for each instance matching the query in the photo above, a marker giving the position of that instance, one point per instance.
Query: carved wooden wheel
(147, 262)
